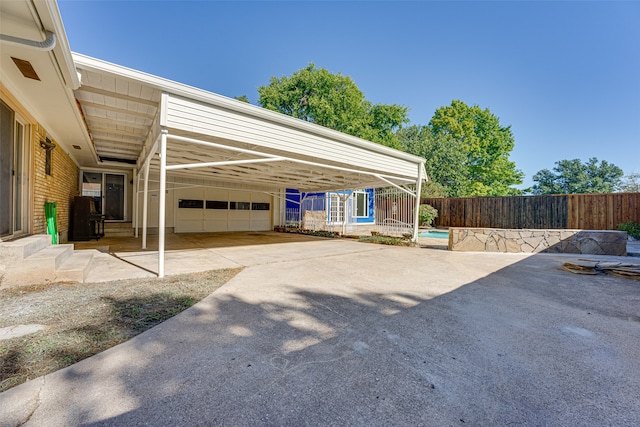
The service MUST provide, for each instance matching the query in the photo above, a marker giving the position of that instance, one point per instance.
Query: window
(190, 204)
(259, 206)
(240, 206)
(336, 211)
(361, 204)
(217, 204)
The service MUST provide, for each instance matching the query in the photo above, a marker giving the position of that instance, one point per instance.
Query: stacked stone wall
(595, 242)
(314, 220)
(60, 187)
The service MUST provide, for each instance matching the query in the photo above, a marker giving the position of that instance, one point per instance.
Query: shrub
(632, 229)
(426, 215)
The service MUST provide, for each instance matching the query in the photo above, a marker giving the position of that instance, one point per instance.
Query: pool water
(434, 234)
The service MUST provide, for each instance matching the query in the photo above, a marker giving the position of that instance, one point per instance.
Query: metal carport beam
(284, 158)
(396, 186)
(225, 163)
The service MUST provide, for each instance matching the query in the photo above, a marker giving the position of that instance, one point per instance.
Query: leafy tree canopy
(631, 183)
(486, 146)
(445, 160)
(334, 101)
(242, 98)
(575, 177)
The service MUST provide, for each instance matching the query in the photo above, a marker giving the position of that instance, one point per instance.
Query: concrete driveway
(348, 333)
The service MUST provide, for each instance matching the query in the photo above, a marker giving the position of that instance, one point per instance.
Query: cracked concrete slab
(16, 331)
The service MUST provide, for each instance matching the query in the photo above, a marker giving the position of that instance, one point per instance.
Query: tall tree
(242, 98)
(445, 160)
(631, 183)
(334, 101)
(575, 177)
(486, 145)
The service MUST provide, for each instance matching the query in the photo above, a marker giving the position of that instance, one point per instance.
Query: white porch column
(417, 205)
(136, 188)
(343, 198)
(163, 201)
(145, 203)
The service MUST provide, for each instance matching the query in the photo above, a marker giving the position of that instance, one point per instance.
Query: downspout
(48, 44)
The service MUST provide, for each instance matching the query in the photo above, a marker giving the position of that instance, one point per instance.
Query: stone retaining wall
(595, 242)
(314, 220)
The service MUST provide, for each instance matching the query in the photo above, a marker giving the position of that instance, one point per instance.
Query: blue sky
(565, 75)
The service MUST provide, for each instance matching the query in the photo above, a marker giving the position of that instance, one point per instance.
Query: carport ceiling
(122, 112)
(118, 113)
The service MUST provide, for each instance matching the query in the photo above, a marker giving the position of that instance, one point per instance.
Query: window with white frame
(361, 201)
(336, 211)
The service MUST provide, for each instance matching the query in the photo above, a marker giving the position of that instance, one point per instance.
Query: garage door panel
(260, 225)
(212, 209)
(260, 197)
(216, 226)
(239, 196)
(240, 215)
(216, 215)
(190, 214)
(187, 226)
(191, 193)
(236, 225)
(216, 194)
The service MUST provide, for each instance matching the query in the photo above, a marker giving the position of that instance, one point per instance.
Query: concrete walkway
(334, 332)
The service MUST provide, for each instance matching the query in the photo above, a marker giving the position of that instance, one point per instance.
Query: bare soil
(83, 319)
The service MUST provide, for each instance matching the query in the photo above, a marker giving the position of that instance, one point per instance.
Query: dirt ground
(76, 320)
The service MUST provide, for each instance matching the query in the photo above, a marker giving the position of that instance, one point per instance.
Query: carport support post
(145, 202)
(163, 201)
(416, 214)
(136, 204)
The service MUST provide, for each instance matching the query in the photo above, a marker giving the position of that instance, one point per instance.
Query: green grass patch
(386, 240)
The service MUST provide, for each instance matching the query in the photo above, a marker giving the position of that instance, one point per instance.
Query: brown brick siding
(61, 186)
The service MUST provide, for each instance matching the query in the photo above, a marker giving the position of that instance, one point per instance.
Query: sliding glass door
(14, 153)
(108, 192)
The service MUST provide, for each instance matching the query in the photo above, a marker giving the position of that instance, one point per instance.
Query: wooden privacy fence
(567, 211)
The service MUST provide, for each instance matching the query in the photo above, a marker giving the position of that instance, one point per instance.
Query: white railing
(393, 214)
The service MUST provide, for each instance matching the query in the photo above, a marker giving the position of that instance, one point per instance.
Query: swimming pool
(434, 234)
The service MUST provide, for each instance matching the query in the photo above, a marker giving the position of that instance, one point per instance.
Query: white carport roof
(216, 139)
(210, 139)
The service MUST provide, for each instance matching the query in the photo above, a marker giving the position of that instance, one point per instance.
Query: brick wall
(61, 186)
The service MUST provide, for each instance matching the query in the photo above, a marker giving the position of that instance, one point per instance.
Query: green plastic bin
(52, 224)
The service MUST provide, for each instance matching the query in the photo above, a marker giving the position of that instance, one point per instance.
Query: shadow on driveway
(397, 336)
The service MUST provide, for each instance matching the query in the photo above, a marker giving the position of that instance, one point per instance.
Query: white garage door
(208, 210)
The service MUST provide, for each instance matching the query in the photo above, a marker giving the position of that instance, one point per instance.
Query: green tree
(334, 101)
(486, 146)
(445, 160)
(242, 98)
(631, 183)
(575, 177)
